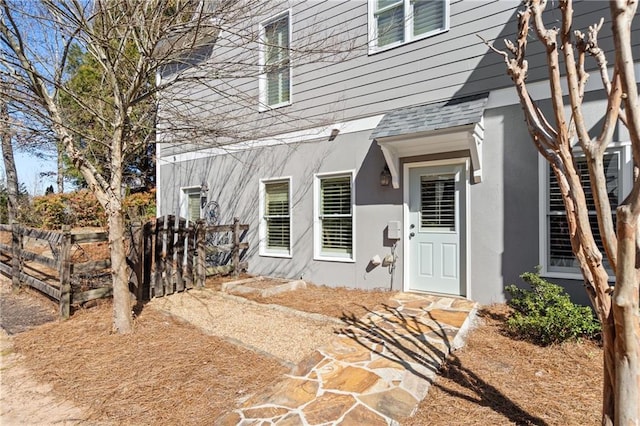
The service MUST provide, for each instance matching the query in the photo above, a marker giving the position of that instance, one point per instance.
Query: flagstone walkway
(373, 372)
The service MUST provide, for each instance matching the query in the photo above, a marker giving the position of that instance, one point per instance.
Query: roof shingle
(438, 115)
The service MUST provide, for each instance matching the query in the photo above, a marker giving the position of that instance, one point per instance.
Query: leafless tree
(7, 154)
(179, 49)
(559, 139)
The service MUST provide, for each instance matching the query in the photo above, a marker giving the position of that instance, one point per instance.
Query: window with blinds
(276, 66)
(438, 203)
(192, 197)
(428, 16)
(559, 254)
(399, 21)
(277, 216)
(336, 216)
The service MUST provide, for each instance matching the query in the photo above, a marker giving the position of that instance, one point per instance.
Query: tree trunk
(122, 318)
(9, 162)
(60, 161)
(627, 325)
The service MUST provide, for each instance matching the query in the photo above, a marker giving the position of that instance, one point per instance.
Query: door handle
(413, 234)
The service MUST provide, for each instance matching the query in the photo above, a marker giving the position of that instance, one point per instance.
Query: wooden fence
(169, 255)
(165, 256)
(52, 275)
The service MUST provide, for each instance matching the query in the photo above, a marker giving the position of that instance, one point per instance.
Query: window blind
(428, 15)
(438, 202)
(390, 18)
(336, 215)
(559, 250)
(277, 61)
(193, 206)
(277, 215)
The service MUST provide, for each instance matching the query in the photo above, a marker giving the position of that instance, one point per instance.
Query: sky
(29, 169)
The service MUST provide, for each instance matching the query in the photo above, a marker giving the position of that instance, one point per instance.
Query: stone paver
(376, 371)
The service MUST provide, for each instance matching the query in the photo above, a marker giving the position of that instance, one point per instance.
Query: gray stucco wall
(234, 182)
(503, 214)
(504, 211)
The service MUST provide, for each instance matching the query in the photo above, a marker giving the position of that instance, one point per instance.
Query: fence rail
(165, 256)
(51, 275)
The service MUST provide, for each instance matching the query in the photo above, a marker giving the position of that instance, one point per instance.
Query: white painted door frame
(464, 264)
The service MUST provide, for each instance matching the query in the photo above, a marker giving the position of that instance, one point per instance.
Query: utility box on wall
(393, 230)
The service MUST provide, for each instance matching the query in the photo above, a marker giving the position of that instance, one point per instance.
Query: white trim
(540, 90)
(353, 126)
(468, 137)
(317, 226)
(408, 27)
(262, 80)
(262, 230)
(158, 193)
(464, 239)
(626, 182)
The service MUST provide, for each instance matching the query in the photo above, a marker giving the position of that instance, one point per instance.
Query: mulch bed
(166, 372)
(335, 302)
(495, 380)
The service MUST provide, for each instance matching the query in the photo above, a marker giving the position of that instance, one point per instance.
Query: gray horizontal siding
(451, 64)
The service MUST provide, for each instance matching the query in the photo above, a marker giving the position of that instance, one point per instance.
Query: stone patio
(375, 370)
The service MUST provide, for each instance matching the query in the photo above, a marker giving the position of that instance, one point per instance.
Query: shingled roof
(438, 115)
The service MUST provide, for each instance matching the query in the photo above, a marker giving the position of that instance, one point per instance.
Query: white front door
(436, 221)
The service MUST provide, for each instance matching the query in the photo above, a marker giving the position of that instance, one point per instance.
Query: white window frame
(317, 222)
(184, 200)
(262, 79)
(408, 26)
(625, 174)
(262, 232)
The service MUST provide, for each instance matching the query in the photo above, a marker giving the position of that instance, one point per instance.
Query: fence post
(201, 273)
(158, 261)
(65, 273)
(148, 233)
(236, 246)
(16, 249)
(137, 254)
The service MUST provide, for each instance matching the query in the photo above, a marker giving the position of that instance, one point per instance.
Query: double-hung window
(556, 253)
(334, 217)
(191, 204)
(276, 218)
(275, 80)
(394, 22)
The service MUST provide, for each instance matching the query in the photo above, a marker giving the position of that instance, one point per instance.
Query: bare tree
(7, 154)
(557, 139)
(144, 48)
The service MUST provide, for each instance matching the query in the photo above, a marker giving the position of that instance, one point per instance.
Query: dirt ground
(170, 372)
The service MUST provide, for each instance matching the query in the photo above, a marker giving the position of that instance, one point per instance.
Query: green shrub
(545, 314)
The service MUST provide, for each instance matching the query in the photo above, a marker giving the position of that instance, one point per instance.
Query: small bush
(141, 205)
(81, 209)
(546, 315)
